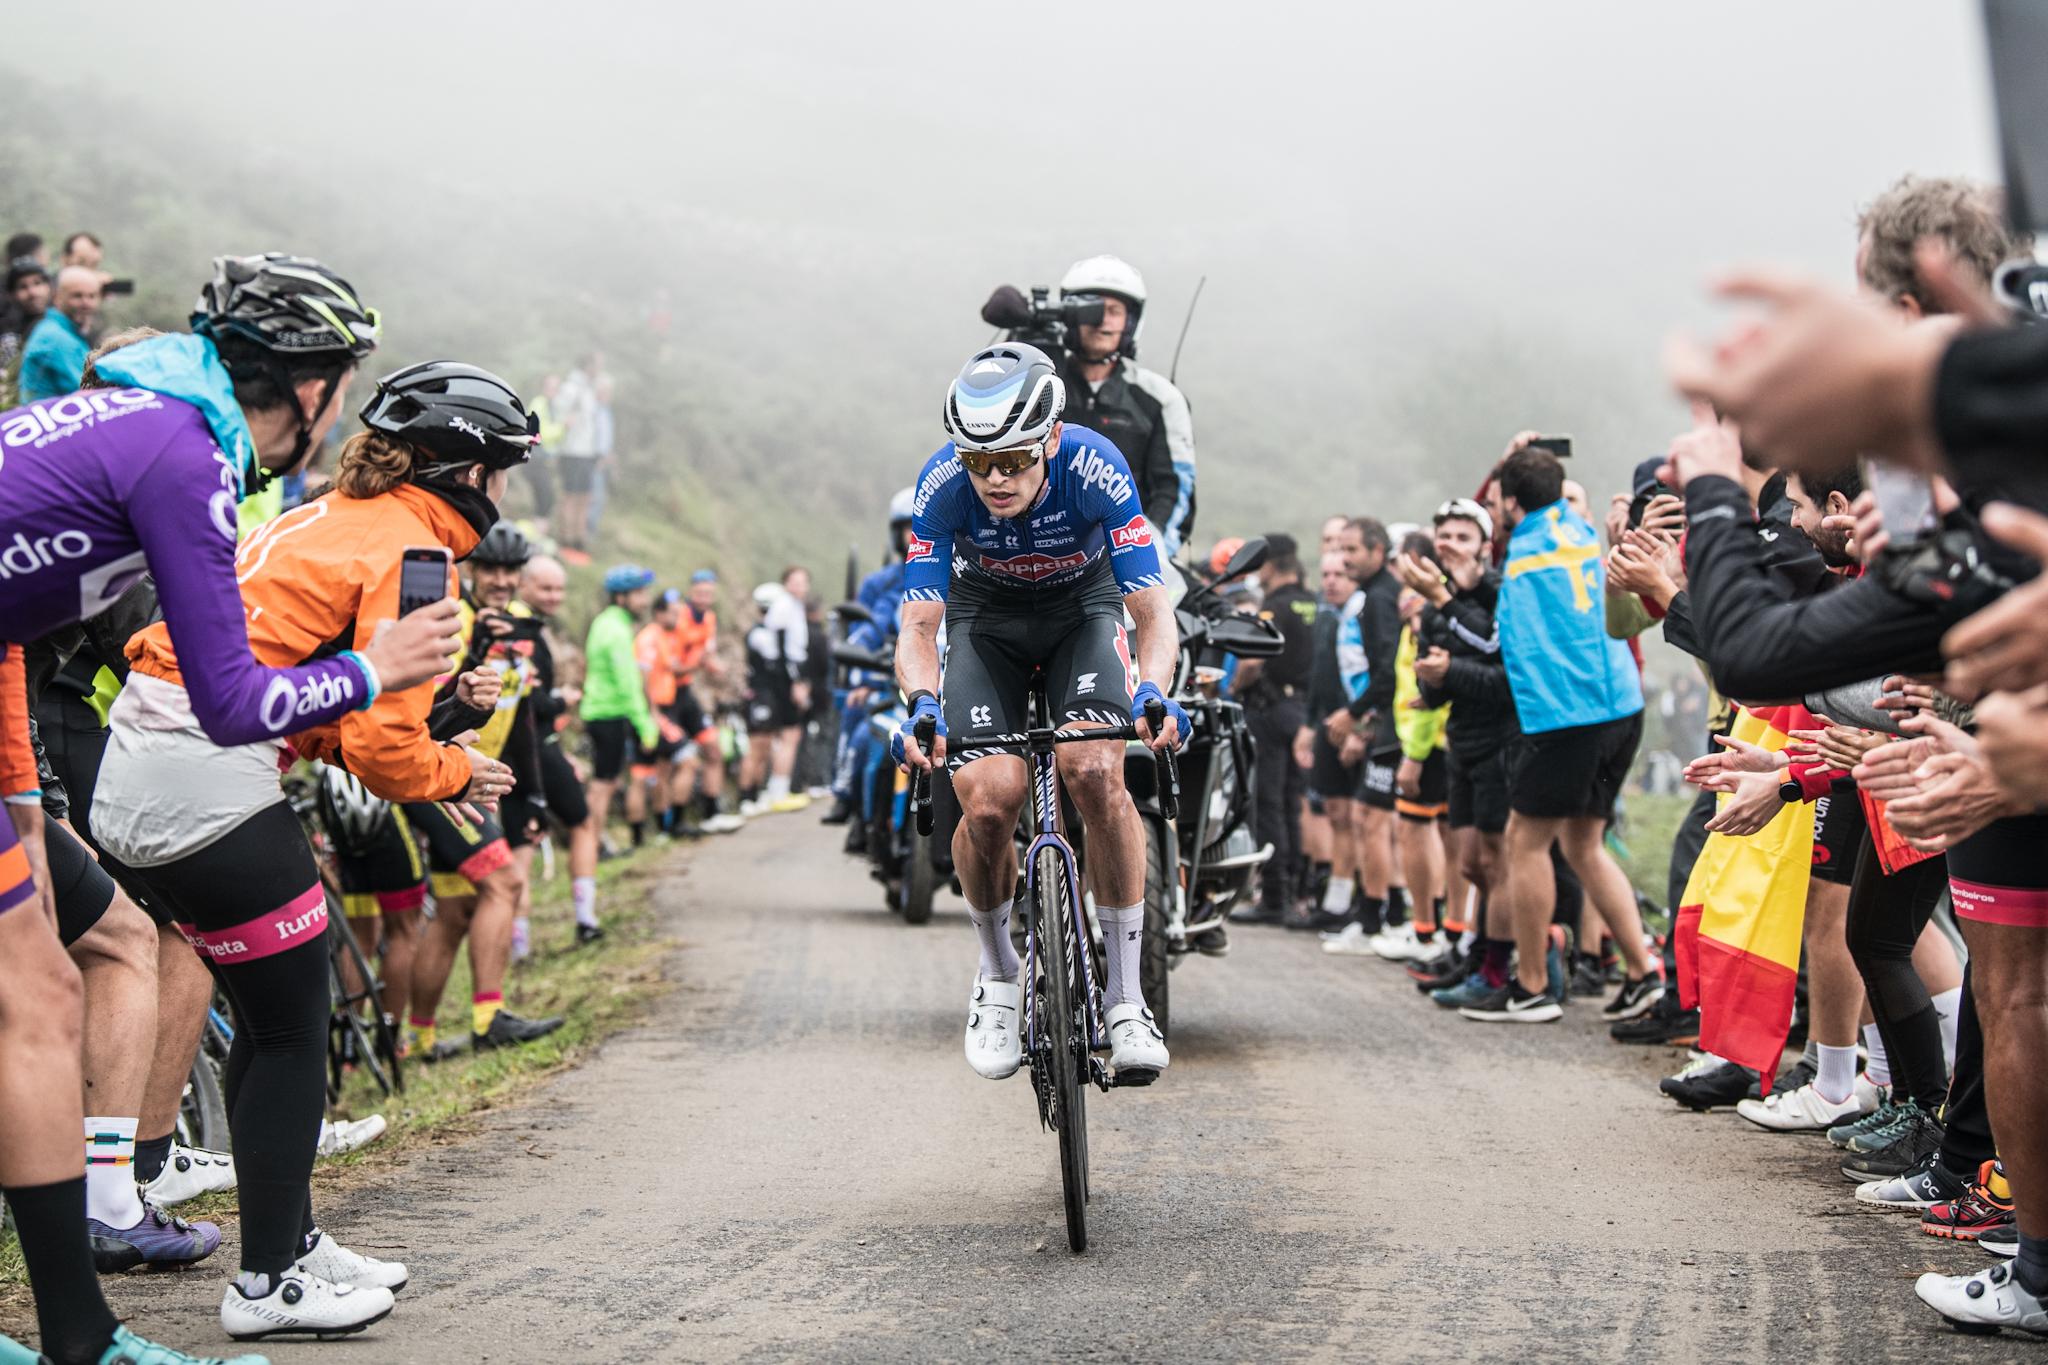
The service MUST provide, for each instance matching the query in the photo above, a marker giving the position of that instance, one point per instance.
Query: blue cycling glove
(1149, 692)
(926, 705)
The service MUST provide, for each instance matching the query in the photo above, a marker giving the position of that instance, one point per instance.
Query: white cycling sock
(1337, 896)
(583, 895)
(1123, 932)
(1878, 1066)
(1836, 1078)
(110, 1193)
(778, 787)
(998, 958)
(1948, 1004)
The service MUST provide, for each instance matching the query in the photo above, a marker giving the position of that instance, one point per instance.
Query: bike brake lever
(1169, 769)
(921, 779)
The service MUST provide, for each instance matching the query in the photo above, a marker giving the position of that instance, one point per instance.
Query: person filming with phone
(209, 831)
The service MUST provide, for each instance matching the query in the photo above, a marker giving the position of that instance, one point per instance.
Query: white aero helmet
(901, 507)
(1006, 396)
(1109, 275)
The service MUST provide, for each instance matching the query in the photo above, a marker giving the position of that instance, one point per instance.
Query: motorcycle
(904, 861)
(1201, 865)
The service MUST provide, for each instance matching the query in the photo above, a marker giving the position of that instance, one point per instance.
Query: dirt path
(791, 1161)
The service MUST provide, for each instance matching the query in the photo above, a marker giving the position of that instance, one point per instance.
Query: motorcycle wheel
(1153, 964)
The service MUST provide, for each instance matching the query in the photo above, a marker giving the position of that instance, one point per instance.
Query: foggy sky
(1385, 198)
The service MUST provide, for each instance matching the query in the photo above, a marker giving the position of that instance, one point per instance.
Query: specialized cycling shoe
(509, 1030)
(1137, 1049)
(158, 1240)
(188, 1173)
(336, 1264)
(1984, 1302)
(129, 1349)
(303, 1305)
(994, 1047)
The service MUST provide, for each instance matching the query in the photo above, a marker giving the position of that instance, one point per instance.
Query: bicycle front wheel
(1063, 1034)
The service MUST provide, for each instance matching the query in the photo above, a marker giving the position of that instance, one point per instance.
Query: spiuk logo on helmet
(471, 428)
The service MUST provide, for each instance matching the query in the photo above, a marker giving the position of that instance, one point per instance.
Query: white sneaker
(1398, 944)
(723, 823)
(303, 1303)
(1137, 1049)
(750, 809)
(349, 1134)
(995, 1048)
(336, 1264)
(188, 1173)
(1803, 1110)
(1350, 941)
(1985, 1301)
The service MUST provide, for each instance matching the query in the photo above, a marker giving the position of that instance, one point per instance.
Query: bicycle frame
(1045, 799)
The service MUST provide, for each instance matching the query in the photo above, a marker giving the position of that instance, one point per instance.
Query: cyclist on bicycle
(1028, 542)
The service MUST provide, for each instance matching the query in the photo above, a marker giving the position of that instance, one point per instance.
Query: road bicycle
(1063, 1015)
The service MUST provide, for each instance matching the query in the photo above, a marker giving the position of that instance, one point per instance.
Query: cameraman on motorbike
(1139, 410)
(881, 592)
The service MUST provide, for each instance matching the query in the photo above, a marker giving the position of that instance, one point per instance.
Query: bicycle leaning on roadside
(1064, 1031)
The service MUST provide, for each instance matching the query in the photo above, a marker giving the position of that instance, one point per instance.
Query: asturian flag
(1739, 923)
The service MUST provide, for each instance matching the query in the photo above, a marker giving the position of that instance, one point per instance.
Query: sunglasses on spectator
(1008, 463)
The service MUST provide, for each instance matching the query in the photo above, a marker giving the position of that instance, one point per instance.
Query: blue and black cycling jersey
(1087, 510)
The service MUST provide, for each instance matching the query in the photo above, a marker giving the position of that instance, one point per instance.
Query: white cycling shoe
(188, 1173)
(994, 1047)
(303, 1305)
(336, 1264)
(341, 1136)
(1137, 1049)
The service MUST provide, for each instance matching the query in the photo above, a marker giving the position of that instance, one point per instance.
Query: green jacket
(613, 688)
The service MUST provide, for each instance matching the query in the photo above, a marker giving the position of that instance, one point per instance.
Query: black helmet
(292, 305)
(504, 545)
(457, 413)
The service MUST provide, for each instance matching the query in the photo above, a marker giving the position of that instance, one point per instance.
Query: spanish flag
(1739, 924)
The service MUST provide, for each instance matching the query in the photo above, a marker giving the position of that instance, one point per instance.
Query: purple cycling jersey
(100, 485)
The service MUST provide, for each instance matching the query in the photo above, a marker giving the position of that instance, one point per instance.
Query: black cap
(1646, 476)
(17, 271)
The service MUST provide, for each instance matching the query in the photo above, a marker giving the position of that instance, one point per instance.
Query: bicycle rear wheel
(1064, 1036)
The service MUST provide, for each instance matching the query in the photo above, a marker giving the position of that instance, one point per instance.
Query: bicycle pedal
(1137, 1075)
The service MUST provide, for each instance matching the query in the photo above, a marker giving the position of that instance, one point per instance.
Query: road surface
(791, 1160)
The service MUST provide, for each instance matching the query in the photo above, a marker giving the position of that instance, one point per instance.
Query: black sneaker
(1919, 1138)
(1709, 1083)
(1211, 942)
(1586, 978)
(1665, 1025)
(1513, 1005)
(1634, 998)
(509, 1030)
(1254, 914)
(1296, 920)
(1799, 1073)
(588, 934)
(1454, 969)
(856, 838)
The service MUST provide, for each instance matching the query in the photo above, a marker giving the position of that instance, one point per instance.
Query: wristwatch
(1789, 792)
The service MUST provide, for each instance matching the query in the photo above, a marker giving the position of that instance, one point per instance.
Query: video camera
(1038, 319)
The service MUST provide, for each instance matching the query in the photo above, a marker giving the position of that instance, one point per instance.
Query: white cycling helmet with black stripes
(1006, 396)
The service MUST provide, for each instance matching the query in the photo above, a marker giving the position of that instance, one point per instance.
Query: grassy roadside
(599, 991)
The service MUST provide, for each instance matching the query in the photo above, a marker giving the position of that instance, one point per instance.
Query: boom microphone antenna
(1174, 373)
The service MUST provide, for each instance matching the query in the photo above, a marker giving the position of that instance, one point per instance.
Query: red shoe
(1987, 1205)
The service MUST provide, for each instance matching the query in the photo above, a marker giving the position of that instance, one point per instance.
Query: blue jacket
(53, 360)
(1563, 667)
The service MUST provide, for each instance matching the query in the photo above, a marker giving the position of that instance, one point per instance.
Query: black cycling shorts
(74, 741)
(250, 894)
(612, 742)
(1999, 876)
(1476, 790)
(688, 712)
(525, 819)
(770, 703)
(997, 643)
(388, 877)
(1376, 779)
(1574, 773)
(82, 887)
(1328, 776)
(460, 852)
(1432, 798)
(1838, 831)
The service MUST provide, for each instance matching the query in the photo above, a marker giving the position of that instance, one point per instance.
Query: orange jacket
(325, 574)
(660, 653)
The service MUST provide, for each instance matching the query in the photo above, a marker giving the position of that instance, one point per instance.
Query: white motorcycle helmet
(901, 507)
(1114, 276)
(767, 595)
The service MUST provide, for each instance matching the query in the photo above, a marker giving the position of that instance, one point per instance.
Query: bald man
(53, 360)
